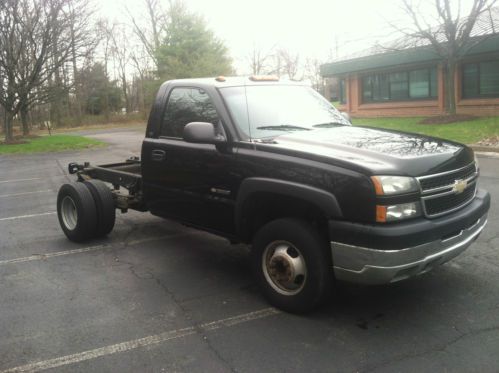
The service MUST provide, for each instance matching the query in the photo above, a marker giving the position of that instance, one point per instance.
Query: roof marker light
(264, 78)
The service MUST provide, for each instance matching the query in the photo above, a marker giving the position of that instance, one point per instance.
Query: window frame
(477, 81)
(162, 123)
(406, 72)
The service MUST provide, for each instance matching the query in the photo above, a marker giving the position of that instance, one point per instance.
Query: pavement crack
(431, 350)
(63, 171)
(149, 275)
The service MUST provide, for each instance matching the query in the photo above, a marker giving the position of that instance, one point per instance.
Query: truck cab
(272, 164)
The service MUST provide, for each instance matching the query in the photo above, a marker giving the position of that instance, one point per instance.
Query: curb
(487, 149)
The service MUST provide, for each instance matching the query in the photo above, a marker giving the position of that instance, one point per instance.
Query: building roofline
(422, 54)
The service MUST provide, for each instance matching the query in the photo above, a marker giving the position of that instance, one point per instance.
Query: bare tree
(260, 61)
(452, 38)
(35, 43)
(106, 31)
(313, 73)
(151, 31)
(81, 27)
(287, 63)
(121, 56)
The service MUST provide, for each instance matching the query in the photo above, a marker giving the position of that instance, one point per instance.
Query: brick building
(410, 82)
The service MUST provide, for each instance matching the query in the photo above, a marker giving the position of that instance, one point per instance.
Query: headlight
(388, 185)
(397, 212)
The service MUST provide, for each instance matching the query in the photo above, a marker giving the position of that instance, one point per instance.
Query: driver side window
(186, 105)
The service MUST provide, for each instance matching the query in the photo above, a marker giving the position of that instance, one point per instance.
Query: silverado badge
(459, 186)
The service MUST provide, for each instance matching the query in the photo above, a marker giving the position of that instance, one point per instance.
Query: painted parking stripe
(143, 342)
(25, 193)
(28, 216)
(34, 257)
(17, 180)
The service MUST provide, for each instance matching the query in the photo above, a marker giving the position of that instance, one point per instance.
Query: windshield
(278, 109)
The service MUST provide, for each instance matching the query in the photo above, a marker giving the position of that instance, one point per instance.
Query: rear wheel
(104, 203)
(292, 265)
(76, 212)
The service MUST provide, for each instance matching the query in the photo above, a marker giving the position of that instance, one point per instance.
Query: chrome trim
(433, 193)
(430, 191)
(433, 196)
(446, 172)
(450, 210)
(370, 266)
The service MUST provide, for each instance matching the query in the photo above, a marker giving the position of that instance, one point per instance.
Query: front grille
(438, 205)
(438, 191)
(432, 182)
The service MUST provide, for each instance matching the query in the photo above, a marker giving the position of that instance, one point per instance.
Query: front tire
(76, 212)
(292, 265)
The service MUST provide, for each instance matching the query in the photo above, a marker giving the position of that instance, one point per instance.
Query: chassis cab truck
(274, 165)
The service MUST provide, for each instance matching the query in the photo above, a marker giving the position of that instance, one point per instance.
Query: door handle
(158, 155)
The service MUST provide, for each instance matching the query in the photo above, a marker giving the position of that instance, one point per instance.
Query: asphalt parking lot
(156, 296)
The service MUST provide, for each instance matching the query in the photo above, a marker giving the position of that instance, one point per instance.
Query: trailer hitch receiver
(74, 167)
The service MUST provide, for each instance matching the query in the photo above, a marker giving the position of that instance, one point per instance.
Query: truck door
(189, 182)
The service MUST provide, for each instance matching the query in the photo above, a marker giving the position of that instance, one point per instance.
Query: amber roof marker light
(221, 78)
(264, 78)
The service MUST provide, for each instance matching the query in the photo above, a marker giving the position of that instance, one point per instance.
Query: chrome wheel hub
(68, 213)
(284, 267)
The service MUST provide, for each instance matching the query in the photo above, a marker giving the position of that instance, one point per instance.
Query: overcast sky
(314, 28)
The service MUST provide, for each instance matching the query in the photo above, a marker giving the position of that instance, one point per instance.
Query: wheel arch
(273, 191)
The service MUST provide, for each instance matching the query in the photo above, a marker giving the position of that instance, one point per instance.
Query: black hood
(376, 151)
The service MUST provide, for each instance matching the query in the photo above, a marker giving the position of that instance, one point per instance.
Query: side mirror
(346, 116)
(202, 133)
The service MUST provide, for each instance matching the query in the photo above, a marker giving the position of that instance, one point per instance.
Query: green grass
(55, 143)
(465, 132)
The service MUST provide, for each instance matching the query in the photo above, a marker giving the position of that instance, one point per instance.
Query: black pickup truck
(274, 165)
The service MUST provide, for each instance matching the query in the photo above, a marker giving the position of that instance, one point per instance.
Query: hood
(376, 151)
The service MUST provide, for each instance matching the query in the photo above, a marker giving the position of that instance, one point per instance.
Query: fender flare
(324, 200)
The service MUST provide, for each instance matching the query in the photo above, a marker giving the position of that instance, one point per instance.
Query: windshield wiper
(329, 124)
(283, 127)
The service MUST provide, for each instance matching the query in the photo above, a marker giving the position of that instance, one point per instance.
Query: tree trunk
(450, 86)
(76, 79)
(125, 93)
(25, 121)
(8, 119)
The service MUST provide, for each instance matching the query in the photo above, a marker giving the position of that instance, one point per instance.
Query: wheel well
(263, 207)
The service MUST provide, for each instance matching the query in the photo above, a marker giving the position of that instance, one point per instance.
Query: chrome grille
(439, 195)
(447, 178)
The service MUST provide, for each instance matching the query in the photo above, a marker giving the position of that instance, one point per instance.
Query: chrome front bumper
(368, 266)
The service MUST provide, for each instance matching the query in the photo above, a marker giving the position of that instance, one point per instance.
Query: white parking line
(28, 216)
(51, 255)
(17, 180)
(25, 193)
(89, 248)
(142, 342)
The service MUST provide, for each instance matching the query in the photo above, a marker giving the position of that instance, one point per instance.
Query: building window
(343, 91)
(400, 86)
(481, 79)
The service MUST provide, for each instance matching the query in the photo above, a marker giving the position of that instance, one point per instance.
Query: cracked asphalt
(155, 296)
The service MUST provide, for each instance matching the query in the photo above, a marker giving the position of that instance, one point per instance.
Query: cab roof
(236, 81)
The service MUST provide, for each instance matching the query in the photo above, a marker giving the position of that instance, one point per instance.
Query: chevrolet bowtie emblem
(459, 186)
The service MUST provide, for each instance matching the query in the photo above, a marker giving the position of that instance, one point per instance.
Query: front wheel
(292, 265)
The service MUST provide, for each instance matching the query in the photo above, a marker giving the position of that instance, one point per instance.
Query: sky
(319, 29)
